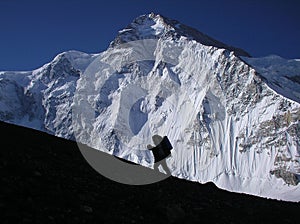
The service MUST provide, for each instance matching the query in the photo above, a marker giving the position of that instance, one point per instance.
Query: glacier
(232, 119)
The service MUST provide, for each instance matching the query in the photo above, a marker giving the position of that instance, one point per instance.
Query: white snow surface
(231, 120)
(281, 74)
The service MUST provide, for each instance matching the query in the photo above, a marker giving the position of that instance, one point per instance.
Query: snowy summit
(154, 26)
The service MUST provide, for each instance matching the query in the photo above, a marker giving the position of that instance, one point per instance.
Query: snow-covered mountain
(232, 119)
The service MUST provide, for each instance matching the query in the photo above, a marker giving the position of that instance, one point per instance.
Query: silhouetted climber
(161, 151)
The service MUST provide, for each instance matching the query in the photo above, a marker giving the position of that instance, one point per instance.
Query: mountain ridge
(45, 179)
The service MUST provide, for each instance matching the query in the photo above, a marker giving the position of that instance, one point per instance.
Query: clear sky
(32, 32)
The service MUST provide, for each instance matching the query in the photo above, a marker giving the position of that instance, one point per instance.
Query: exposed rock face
(288, 177)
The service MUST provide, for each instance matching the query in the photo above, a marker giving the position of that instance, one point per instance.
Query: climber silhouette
(161, 151)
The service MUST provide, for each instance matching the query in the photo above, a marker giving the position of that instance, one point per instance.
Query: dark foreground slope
(44, 179)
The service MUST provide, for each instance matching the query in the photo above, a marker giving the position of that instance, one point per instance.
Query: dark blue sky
(32, 32)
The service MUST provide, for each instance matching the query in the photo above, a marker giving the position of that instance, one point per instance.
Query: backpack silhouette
(162, 149)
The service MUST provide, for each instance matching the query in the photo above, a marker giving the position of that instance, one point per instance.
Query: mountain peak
(149, 26)
(156, 26)
(233, 121)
